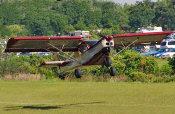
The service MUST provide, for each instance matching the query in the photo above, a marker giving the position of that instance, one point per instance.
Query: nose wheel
(78, 73)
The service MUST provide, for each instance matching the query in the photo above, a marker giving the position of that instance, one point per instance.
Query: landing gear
(107, 62)
(78, 73)
(112, 71)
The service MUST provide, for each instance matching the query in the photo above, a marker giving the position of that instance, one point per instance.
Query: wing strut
(54, 52)
(127, 47)
(123, 44)
(60, 50)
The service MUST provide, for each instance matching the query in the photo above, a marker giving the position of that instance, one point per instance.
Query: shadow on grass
(46, 107)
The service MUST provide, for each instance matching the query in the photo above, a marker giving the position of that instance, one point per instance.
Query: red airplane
(89, 52)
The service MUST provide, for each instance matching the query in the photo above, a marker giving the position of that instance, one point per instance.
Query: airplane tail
(52, 64)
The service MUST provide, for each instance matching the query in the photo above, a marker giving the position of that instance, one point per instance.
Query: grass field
(54, 97)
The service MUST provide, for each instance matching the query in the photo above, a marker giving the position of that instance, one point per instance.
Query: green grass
(54, 97)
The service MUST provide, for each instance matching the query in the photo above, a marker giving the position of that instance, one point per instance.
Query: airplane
(86, 52)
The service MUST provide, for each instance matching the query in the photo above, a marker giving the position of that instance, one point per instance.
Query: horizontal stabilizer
(52, 64)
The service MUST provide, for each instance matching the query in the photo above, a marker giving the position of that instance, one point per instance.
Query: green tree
(75, 10)
(1, 27)
(10, 13)
(68, 29)
(113, 14)
(17, 30)
(58, 23)
(38, 21)
(165, 14)
(80, 25)
(115, 29)
(4, 32)
(94, 18)
(141, 14)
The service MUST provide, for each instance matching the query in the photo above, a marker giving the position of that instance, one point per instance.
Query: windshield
(163, 43)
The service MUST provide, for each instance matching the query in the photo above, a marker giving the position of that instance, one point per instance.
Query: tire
(112, 71)
(107, 61)
(78, 73)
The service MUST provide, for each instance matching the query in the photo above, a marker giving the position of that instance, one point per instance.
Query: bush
(130, 61)
(164, 79)
(48, 73)
(142, 77)
(24, 64)
(118, 63)
(149, 65)
(171, 62)
(98, 71)
(166, 70)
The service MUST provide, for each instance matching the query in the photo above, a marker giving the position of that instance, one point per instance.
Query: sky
(127, 1)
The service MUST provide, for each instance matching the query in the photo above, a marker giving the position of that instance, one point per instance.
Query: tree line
(54, 17)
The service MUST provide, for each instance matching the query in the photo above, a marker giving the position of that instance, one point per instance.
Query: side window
(171, 43)
(163, 43)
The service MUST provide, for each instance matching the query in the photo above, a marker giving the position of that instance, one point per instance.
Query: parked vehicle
(170, 43)
(42, 54)
(170, 53)
(160, 53)
(83, 34)
(149, 29)
(23, 53)
(150, 53)
(154, 47)
(138, 49)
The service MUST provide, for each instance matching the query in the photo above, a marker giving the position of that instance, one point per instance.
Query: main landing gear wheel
(112, 71)
(107, 61)
(78, 73)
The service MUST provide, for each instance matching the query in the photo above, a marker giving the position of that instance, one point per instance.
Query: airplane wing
(140, 38)
(71, 43)
(43, 44)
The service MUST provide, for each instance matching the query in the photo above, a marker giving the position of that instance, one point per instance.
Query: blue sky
(128, 1)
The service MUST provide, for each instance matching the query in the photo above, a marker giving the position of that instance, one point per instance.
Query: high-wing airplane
(89, 52)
